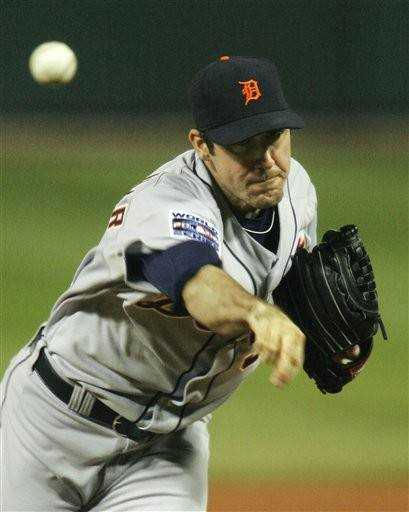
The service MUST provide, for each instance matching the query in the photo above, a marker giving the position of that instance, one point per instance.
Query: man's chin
(268, 201)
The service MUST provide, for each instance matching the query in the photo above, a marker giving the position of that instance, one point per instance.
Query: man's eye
(277, 135)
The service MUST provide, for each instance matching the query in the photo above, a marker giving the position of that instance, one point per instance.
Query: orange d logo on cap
(250, 90)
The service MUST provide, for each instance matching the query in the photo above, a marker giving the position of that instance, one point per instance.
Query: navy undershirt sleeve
(169, 270)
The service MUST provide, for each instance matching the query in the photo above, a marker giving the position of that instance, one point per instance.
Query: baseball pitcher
(107, 407)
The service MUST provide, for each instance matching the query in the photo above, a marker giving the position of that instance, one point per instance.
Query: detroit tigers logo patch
(189, 225)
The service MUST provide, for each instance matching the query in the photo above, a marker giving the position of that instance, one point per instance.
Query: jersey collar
(201, 170)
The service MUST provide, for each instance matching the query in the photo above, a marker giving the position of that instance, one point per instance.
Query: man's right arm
(221, 304)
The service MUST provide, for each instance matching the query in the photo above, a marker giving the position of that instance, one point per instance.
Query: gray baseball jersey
(118, 337)
(115, 333)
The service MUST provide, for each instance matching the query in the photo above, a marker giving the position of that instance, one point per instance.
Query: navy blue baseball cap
(235, 98)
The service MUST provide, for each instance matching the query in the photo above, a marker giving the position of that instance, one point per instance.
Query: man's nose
(267, 162)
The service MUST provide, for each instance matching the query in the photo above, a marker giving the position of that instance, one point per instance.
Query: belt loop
(81, 401)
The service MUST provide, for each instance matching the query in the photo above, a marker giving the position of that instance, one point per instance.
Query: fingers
(285, 354)
(278, 342)
(288, 363)
(268, 356)
(265, 344)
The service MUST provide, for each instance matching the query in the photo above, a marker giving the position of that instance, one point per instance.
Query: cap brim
(243, 129)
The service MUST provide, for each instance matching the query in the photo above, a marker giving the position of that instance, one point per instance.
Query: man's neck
(251, 215)
(240, 206)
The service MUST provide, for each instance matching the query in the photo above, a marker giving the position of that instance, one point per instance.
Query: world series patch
(188, 225)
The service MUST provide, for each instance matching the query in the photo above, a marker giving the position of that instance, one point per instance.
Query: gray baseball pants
(54, 460)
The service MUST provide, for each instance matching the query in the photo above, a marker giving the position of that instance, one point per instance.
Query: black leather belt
(80, 400)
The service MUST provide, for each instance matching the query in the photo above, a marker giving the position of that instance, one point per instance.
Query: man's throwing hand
(278, 342)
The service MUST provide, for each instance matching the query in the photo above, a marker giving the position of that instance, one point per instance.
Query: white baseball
(53, 63)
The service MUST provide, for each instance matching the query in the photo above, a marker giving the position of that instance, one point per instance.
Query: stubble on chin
(268, 202)
(269, 198)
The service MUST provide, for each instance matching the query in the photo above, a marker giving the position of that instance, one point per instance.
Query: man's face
(252, 175)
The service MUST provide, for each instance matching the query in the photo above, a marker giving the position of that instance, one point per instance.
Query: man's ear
(199, 144)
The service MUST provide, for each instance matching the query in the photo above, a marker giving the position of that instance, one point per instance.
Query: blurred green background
(71, 152)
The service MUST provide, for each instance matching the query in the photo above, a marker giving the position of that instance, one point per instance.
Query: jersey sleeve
(170, 269)
(165, 231)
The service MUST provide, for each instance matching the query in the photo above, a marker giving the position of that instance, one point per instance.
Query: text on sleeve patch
(188, 225)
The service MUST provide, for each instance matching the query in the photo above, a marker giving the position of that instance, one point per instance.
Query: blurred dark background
(138, 56)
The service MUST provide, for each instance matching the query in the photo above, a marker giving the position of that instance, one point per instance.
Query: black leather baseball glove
(331, 295)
